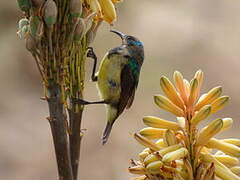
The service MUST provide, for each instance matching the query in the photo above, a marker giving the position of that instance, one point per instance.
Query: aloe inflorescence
(58, 33)
(68, 25)
(179, 149)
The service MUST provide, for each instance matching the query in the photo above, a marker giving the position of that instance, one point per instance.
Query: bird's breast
(109, 77)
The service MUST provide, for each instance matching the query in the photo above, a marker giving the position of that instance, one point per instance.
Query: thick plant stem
(75, 136)
(58, 125)
(75, 110)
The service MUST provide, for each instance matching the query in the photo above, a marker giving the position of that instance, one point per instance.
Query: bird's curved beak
(122, 36)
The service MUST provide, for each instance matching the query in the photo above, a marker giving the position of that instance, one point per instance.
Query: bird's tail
(107, 132)
(112, 114)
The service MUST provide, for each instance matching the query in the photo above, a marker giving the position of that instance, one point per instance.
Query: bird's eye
(129, 38)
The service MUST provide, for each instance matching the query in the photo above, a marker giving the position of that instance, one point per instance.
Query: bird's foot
(91, 53)
(80, 101)
(83, 102)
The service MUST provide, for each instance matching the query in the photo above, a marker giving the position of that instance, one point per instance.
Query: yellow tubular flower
(137, 170)
(227, 148)
(199, 76)
(202, 114)
(160, 123)
(95, 6)
(227, 123)
(108, 10)
(143, 155)
(178, 78)
(227, 160)
(154, 167)
(174, 155)
(208, 98)
(145, 142)
(151, 158)
(168, 149)
(160, 143)
(232, 141)
(167, 105)
(209, 131)
(171, 92)
(219, 103)
(152, 133)
(193, 92)
(169, 138)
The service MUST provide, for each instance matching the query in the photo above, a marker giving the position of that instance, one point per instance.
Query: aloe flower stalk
(179, 149)
(57, 34)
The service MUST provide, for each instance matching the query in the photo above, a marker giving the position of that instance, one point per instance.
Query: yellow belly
(109, 78)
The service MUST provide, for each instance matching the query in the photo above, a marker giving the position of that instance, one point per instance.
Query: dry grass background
(179, 35)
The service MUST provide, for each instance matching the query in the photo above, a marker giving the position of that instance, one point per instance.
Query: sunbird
(117, 78)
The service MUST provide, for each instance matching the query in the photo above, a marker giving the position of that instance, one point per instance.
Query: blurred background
(178, 35)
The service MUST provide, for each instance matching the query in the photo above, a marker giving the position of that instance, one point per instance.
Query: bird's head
(129, 40)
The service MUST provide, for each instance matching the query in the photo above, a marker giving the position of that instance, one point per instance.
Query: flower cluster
(58, 33)
(179, 150)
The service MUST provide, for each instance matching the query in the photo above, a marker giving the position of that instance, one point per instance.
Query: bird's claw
(79, 101)
(91, 53)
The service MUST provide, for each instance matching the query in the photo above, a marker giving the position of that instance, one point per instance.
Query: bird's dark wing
(128, 85)
(130, 101)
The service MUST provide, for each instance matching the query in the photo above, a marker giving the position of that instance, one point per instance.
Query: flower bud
(227, 148)
(178, 78)
(137, 170)
(154, 167)
(219, 103)
(168, 149)
(152, 133)
(227, 160)
(209, 131)
(169, 138)
(234, 141)
(199, 76)
(160, 123)
(108, 11)
(36, 27)
(23, 22)
(143, 155)
(146, 142)
(174, 155)
(194, 92)
(171, 92)
(167, 105)
(151, 158)
(208, 98)
(202, 114)
(75, 8)
(24, 5)
(50, 13)
(23, 32)
(95, 6)
(227, 123)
